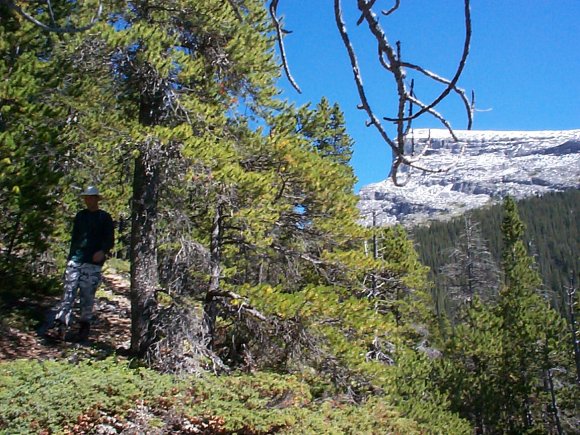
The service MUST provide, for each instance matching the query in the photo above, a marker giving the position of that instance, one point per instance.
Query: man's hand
(98, 257)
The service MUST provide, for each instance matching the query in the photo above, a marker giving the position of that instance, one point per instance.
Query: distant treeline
(551, 233)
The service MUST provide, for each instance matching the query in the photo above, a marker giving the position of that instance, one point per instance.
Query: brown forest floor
(110, 331)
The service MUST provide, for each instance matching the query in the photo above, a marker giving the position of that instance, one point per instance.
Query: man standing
(92, 240)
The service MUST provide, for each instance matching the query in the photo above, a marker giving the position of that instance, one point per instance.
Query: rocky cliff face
(487, 166)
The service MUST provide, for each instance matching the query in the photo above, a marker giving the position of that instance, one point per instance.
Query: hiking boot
(54, 331)
(84, 330)
(60, 330)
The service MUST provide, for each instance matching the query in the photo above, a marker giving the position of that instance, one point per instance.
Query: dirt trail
(110, 331)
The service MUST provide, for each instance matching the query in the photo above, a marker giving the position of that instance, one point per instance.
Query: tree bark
(143, 251)
(214, 282)
(144, 207)
(554, 410)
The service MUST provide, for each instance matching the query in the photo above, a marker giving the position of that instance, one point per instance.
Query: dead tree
(390, 59)
(471, 270)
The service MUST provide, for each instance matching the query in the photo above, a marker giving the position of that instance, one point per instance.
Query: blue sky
(524, 65)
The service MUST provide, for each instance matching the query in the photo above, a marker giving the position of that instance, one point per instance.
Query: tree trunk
(143, 251)
(214, 282)
(573, 328)
(553, 407)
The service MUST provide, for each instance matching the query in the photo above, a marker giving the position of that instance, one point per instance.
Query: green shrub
(49, 395)
(57, 397)
(263, 403)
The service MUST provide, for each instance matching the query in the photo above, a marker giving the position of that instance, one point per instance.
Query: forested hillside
(552, 237)
(256, 302)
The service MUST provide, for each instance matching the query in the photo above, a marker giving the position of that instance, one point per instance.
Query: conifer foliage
(31, 120)
(244, 245)
(500, 361)
(551, 236)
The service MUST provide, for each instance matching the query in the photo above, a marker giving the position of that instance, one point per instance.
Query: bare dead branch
(393, 65)
(393, 9)
(459, 91)
(365, 105)
(273, 13)
(453, 82)
(362, 17)
(244, 306)
(55, 29)
(390, 60)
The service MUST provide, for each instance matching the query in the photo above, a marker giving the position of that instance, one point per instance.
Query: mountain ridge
(486, 166)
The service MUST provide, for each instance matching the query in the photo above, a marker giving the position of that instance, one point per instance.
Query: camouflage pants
(82, 277)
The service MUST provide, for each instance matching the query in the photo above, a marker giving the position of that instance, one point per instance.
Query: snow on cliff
(493, 164)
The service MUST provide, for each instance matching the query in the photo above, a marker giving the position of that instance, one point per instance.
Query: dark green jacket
(92, 232)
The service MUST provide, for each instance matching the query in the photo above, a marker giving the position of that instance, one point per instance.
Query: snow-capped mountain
(485, 167)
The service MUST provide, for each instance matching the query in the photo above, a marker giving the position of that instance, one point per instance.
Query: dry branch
(390, 58)
(279, 31)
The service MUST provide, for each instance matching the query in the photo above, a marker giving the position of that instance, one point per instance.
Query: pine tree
(175, 70)
(528, 323)
(32, 122)
(499, 361)
(469, 364)
(326, 130)
(551, 229)
(220, 169)
(245, 244)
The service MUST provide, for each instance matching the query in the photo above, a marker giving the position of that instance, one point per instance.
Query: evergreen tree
(326, 130)
(551, 228)
(32, 163)
(528, 323)
(499, 362)
(245, 247)
(174, 73)
(469, 367)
